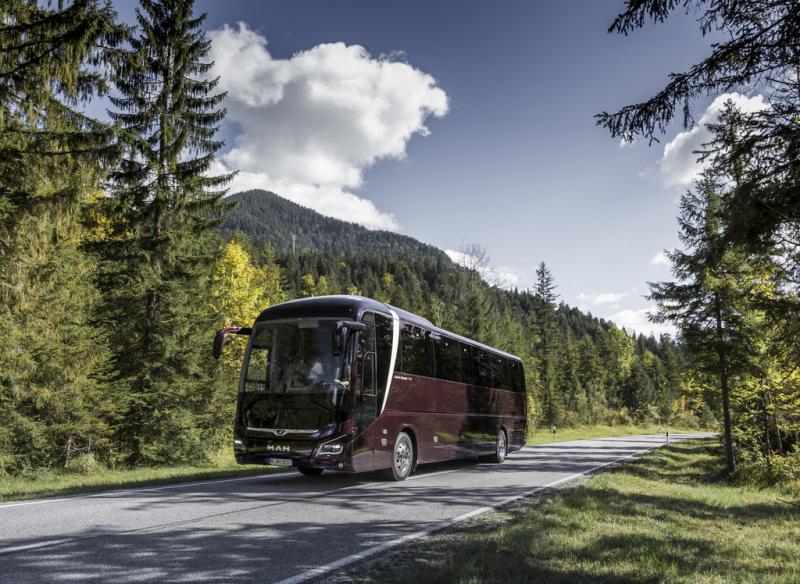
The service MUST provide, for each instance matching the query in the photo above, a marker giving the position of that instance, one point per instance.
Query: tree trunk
(730, 460)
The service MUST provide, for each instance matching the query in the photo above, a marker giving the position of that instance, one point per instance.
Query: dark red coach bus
(350, 383)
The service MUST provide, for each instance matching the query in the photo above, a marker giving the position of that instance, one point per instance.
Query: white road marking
(236, 479)
(322, 570)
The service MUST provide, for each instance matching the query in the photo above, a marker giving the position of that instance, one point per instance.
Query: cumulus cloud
(638, 321)
(503, 276)
(679, 165)
(312, 124)
(603, 298)
(660, 259)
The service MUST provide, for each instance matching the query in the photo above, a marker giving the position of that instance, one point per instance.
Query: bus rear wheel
(500, 447)
(402, 458)
(309, 471)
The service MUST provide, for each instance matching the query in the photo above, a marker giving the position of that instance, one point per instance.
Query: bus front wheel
(309, 471)
(402, 458)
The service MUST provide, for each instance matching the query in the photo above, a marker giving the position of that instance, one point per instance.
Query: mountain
(271, 220)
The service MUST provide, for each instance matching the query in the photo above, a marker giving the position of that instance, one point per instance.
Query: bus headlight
(238, 445)
(331, 449)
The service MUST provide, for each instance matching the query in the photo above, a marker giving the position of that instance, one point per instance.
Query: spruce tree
(52, 359)
(163, 208)
(545, 295)
(707, 301)
(755, 45)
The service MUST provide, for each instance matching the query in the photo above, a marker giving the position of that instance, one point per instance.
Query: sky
(460, 122)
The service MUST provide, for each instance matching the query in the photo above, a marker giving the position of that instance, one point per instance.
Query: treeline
(108, 240)
(580, 369)
(735, 296)
(271, 220)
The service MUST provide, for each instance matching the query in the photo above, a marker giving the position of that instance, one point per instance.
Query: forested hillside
(272, 220)
(580, 369)
(118, 265)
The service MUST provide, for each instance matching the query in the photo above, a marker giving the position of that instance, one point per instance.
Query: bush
(754, 469)
(686, 419)
(85, 464)
(785, 468)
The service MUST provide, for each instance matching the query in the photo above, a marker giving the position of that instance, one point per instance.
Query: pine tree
(757, 48)
(52, 358)
(545, 295)
(163, 208)
(707, 302)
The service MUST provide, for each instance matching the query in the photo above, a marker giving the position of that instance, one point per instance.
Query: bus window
(383, 345)
(482, 366)
(500, 373)
(366, 390)
(515, 374)
(467, 369)
(417, 351)
(446, 353)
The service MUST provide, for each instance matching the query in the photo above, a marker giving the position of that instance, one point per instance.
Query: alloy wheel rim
(501, 445)
(403, 457)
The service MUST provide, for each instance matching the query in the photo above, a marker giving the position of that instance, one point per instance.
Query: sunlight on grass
(665, 517)
(543, 436)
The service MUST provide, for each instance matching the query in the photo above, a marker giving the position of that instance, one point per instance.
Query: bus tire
(500, 447)
(403, 458)
(309, 471)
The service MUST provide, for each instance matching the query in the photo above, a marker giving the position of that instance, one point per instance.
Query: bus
(352, 384)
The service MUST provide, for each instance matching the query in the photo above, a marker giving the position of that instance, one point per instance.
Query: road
(271, 528)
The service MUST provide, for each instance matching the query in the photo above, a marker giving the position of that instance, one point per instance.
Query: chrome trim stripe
(393, 359)
(280, 431)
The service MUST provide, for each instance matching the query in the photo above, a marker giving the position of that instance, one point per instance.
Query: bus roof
(350, 307)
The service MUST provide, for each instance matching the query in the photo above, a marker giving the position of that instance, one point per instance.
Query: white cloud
(603, 298)
(678, 165)
(660, 259)
(503, 277)
(638, 321)
(312, 124)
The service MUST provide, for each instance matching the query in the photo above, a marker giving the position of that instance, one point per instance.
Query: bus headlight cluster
(331, 449)
(238, 445)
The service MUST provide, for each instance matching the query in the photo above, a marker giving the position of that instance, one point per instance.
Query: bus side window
(482, 364)
(467, 368)
(500, 377)
(446, 354)
(417, 351)
(514, 371)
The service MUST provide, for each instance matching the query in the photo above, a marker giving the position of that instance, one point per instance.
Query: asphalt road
(270, 528)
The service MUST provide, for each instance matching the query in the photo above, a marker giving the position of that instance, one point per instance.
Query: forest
(121, 255)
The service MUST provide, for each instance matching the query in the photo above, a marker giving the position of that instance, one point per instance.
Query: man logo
(280, 432)
(277, 448)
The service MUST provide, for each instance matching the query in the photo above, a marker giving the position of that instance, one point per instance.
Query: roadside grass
(53, 483)
(543, 435)
(664, 517)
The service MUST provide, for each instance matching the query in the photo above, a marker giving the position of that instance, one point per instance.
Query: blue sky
(458, 122)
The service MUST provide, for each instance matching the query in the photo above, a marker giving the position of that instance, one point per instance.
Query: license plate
(279, 461)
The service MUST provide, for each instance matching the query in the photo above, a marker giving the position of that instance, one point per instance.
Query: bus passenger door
(366, 401)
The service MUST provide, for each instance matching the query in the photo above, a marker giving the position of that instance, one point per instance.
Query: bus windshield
(292, 357)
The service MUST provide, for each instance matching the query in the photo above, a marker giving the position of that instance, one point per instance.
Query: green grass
(543, 436)
(52, 483)
(664, 517)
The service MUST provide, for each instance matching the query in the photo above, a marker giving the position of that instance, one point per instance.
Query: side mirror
(340, 334)
(219, 340)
